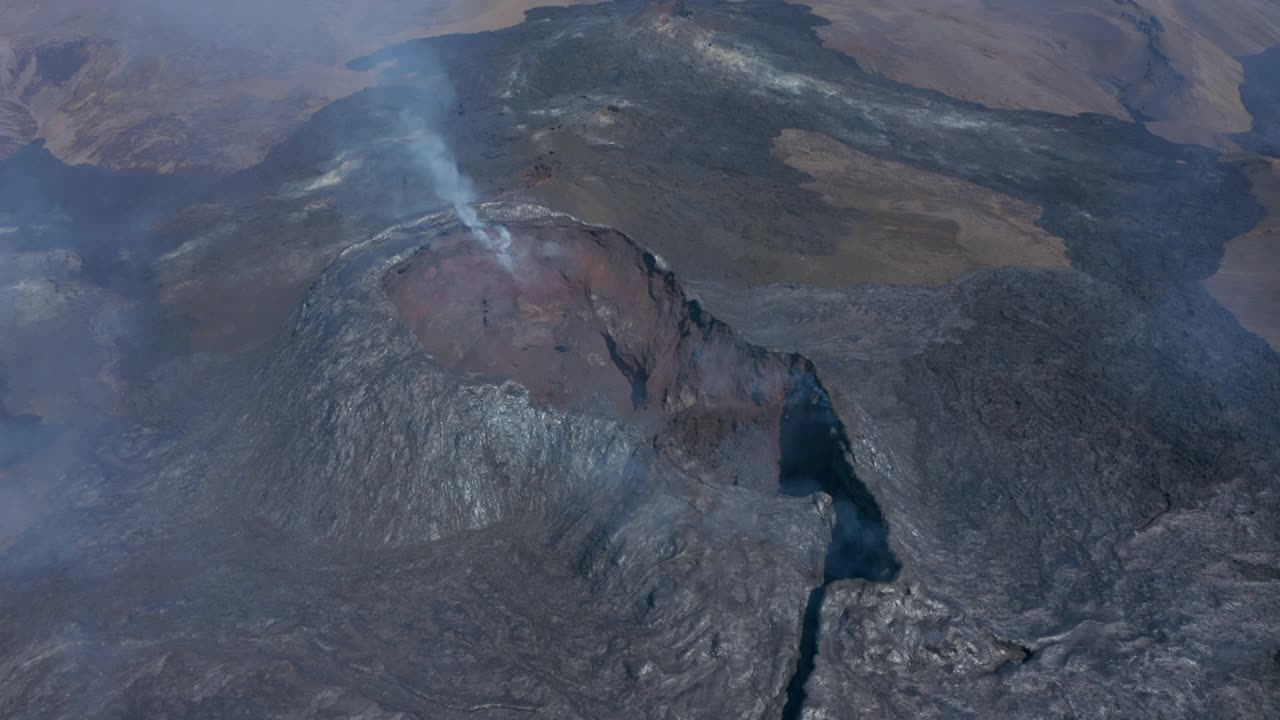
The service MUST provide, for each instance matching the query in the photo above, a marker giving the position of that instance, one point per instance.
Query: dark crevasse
(815, 458)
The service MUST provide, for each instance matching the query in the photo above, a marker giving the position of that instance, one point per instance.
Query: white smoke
(455, 188)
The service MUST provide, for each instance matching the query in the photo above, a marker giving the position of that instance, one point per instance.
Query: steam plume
(455, 188)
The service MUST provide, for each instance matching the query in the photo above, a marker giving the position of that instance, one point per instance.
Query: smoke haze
(437, 159)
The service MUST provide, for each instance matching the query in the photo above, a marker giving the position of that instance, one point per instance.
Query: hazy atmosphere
(636, 359)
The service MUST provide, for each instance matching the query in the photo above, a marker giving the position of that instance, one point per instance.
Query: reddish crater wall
(588, 322)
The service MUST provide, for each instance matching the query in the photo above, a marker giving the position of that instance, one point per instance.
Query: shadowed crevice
(815, 458)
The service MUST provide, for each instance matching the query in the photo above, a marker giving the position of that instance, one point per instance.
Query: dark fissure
(635, 373)
(815, 457)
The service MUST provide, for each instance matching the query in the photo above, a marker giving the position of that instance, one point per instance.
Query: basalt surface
(351, 458)
(1106, 548)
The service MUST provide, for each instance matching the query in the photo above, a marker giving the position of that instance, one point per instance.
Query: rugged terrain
(180, 86)
(759, 385)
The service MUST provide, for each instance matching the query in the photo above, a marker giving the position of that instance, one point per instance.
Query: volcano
(695, 359)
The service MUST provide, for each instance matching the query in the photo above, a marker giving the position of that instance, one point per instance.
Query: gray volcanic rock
(1124, 534)
(914, 657)
(663, 621)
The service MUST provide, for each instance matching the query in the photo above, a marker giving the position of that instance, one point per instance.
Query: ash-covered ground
(325, 438)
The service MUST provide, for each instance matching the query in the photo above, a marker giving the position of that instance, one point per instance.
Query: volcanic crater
(588, 322)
